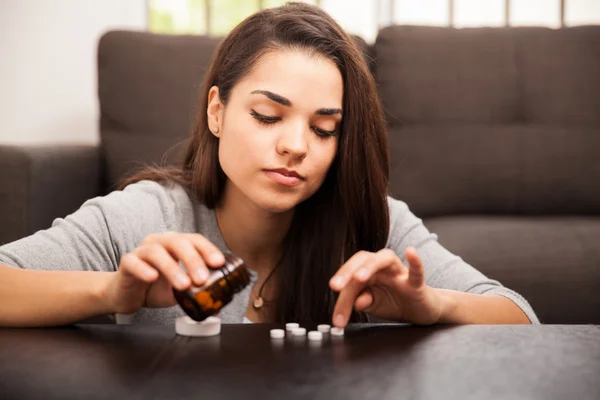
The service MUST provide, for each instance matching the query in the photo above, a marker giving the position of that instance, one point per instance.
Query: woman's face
(279, 131)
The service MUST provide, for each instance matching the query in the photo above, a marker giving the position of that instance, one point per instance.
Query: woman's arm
(469, 308)
(469, 296)
(36, 298)
(59, 273)
(383, 286)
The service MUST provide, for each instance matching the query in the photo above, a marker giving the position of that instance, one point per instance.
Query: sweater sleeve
(102, 230)
(442, 268)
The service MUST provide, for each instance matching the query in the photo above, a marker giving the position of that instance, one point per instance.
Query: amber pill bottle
(202, 302)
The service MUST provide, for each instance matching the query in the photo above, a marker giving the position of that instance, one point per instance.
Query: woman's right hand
(146, 276)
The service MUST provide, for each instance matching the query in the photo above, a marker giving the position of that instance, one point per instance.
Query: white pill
(337, 331)
(299, 332)
(277, 333)
(324, 328)
(315, 335)
(290, 326)
(186, 326)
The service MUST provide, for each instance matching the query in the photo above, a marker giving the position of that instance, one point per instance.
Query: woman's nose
(292, 141)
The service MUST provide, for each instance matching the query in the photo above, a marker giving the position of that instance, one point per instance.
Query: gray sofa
(494, 135)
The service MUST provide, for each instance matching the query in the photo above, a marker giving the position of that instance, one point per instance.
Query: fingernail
(338, 320)
(149, 273)
(338, 281)
(362, 274)
(217, 258)
(182, 280)
(202, 274)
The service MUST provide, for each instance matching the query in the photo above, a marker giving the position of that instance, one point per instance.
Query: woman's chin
(278, 205)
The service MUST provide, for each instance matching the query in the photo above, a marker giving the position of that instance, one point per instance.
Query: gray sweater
(95, 237)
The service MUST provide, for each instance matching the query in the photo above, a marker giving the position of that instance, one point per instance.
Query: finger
(184, 250)
(341, 278)
(159, 258)
(364, 300)
(212, 256)
(385, 259)
(134, 266)
(345, 302)
(416, 274)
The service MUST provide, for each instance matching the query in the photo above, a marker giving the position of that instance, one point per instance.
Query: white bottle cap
(299, 332)
(337, 331)
(324, 328)
(277, 333)
(186, 326)
(315, 335)
(290, 326)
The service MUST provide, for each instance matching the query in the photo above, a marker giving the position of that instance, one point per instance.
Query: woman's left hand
(380, 284)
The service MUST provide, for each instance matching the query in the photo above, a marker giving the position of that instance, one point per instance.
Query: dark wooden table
(371, 362)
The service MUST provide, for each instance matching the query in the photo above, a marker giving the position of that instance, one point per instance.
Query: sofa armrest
(41, 183)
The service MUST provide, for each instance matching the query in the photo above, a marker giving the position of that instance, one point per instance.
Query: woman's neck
(252, 233)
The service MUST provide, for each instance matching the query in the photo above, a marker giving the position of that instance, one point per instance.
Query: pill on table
(277, 333)
(337, 331)
(315, 335)
(290, 326)
(324, 328)
(299, 332)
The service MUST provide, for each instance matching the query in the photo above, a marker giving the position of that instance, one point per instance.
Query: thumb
(364, 300)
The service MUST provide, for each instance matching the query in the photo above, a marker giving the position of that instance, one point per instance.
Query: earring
(217, 130)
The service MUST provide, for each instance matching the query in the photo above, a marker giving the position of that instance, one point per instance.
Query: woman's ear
(214, 111)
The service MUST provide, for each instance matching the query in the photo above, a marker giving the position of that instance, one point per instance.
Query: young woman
(287, 167)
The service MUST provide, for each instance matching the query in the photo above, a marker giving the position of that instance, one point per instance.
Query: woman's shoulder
(166, 203)
(147, 192)
(154, 188)
(398, 209)
(402, 220)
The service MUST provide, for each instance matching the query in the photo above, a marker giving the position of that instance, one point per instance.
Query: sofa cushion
(492, 120)
(560, 75)
(149, 82)
(149, 86)
(497, 169)
(124, 155)
(431, 74)
(554, 262)
(455, 169)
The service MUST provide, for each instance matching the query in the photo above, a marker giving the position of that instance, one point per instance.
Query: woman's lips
(283, 179)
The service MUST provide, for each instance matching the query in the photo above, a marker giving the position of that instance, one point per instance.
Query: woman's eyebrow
(328, 111)
(274, 96)
(286, 102)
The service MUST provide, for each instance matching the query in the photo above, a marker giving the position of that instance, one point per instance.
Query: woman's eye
(268, 120)
(264, 119)
(323, 132)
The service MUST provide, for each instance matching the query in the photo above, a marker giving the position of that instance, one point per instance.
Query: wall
(48, 67)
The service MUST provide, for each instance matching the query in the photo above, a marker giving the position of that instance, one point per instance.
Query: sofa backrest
(148, 87)
(492, 120)
(481, 120)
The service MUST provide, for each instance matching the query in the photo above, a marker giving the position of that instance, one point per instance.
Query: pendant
(258, 302)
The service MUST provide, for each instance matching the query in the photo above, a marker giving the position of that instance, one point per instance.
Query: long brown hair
(349, 212)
